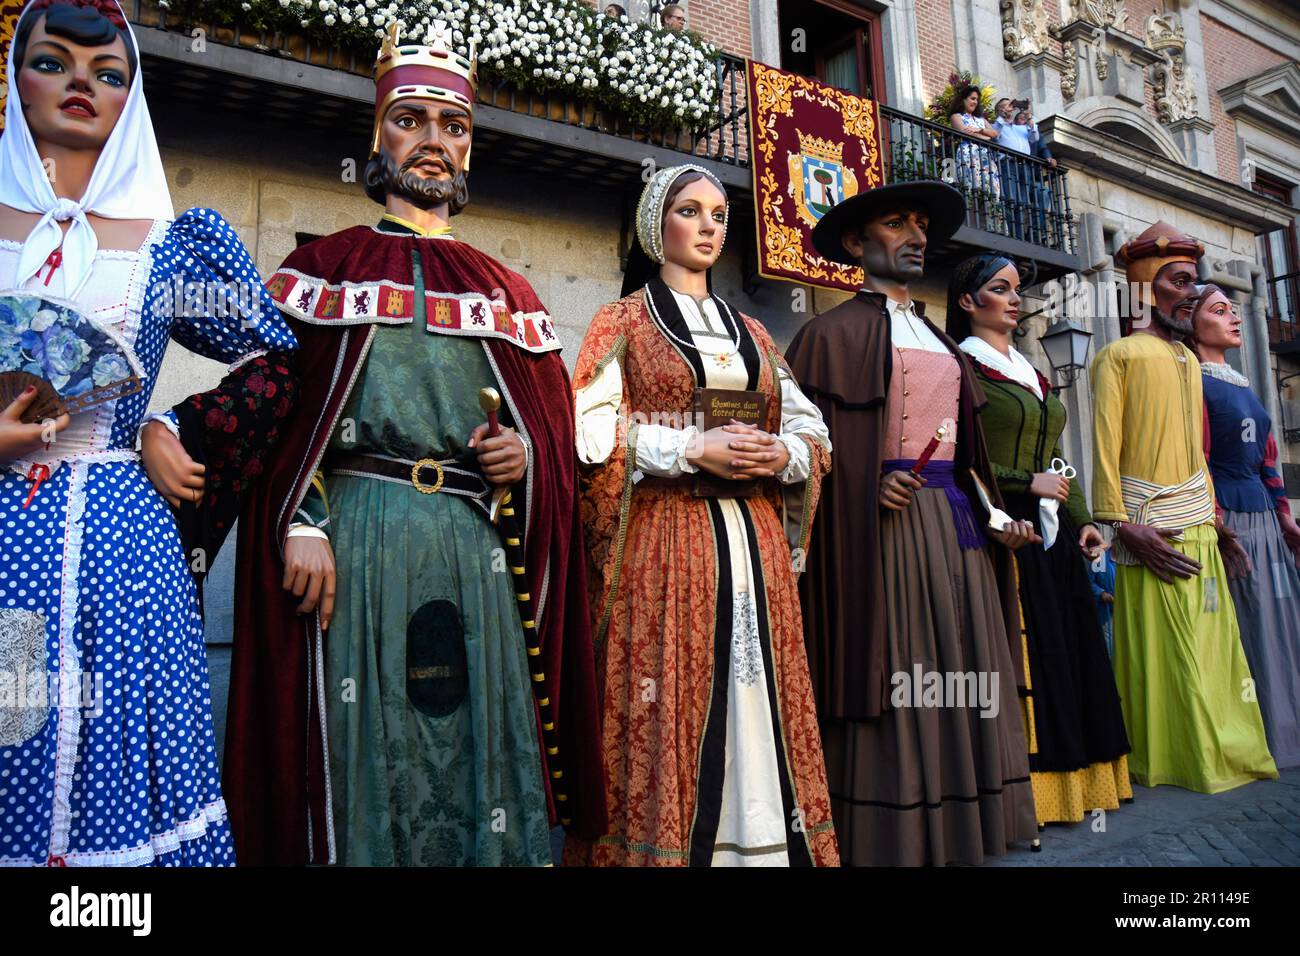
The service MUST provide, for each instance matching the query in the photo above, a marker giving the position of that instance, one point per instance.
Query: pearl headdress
(650, 210)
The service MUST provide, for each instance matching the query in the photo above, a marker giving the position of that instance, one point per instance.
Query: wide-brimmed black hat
(945, 205)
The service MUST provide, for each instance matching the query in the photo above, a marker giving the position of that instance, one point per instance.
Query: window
(836, 41)
(1282, 266)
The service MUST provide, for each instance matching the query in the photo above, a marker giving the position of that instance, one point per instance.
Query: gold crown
(434, 52)
(431, 70)
(819, 148)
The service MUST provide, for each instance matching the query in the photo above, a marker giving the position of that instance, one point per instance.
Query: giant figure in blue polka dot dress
(97, 540)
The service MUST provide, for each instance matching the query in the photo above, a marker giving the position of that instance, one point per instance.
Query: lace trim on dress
(169, 842)
(24, 677)
(69, 667)
(1225, 373)
(746, 652)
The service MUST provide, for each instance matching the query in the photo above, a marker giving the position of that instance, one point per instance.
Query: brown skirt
(943, 776)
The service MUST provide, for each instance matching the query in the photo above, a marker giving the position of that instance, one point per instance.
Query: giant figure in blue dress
(99, 542)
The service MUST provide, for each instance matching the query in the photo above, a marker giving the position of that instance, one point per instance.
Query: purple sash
(942, 474)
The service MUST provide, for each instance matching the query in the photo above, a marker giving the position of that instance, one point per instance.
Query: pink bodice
(924, 393)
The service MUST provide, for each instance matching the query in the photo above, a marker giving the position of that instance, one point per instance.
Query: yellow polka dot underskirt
(1061, 797)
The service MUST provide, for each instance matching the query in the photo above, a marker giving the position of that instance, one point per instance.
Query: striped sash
(1179, 506)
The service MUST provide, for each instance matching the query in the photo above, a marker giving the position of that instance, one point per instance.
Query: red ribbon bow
(37, 475)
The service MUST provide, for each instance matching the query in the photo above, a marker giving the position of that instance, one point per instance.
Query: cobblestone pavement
(1254, 825)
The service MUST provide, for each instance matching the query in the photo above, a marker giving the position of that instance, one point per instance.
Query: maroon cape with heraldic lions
(334, 292)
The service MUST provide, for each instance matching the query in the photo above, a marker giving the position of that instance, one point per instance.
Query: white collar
(128, 182)
(1225, 373)
(1014, 365)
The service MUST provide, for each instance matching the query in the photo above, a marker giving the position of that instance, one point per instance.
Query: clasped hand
(739, 452)
(1151, 546)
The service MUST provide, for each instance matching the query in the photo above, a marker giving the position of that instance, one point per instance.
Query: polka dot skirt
(124, 769)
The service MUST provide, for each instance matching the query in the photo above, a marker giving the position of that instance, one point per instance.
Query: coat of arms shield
(818, 177)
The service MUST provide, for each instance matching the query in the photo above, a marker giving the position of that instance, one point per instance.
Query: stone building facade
(1184, 110)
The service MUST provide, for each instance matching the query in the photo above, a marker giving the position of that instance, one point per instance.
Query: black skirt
(1077, 715)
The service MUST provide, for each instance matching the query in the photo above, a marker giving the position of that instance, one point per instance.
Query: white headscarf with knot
(128, 182)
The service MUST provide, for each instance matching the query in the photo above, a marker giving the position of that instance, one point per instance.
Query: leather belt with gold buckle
(421, 486)
(427, 476)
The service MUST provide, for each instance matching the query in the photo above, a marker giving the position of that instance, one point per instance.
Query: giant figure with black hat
(451, 704)
(909, 601)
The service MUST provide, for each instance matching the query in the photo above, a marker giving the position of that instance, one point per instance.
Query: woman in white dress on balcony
(977, 167)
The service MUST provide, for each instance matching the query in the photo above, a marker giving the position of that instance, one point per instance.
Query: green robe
(423, 584)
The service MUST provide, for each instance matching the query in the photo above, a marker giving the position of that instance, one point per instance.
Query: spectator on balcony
(615, 11)
(976, 167)
(1011, 132)
(1037, 145)
(673, 17)
(1017, 178)
(1040, 187)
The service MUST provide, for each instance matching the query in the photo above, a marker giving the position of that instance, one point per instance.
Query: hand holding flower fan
(74, 363)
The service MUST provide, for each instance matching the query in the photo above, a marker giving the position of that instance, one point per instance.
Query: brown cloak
(842, 360)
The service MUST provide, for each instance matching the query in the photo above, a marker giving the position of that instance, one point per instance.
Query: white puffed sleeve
(660, 450)
(799, 416)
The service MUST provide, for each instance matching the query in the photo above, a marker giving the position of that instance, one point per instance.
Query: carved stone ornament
(1165, 31)
(1070, 75)
(1175, 94)
(1100, 13)
(1024, 28)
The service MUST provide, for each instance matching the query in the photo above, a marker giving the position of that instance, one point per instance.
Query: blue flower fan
(75, 363)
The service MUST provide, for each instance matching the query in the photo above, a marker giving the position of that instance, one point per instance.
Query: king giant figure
(439, 708)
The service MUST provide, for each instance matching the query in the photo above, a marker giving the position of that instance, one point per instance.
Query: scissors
(1059, 466)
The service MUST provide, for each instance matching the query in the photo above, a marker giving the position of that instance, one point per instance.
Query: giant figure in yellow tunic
(1183, 679)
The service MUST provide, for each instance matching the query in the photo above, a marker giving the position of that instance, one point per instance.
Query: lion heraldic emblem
(818, 177)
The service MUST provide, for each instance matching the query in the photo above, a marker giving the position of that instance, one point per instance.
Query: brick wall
(934, 29)
(722, 22)
(1138, 11)
(1230, 56)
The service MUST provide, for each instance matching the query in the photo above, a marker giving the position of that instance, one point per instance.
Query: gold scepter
(502, 513)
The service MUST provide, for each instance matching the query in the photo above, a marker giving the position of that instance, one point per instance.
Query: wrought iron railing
(1007, 193)
(1284, 309)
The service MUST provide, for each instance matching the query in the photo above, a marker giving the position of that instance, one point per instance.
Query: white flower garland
(652, 76)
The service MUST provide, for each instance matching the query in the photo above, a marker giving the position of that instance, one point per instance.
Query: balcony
(1016, 204)
(1283, 316)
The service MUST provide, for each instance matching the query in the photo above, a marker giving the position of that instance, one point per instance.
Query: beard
(1180, 327)
(384, 178)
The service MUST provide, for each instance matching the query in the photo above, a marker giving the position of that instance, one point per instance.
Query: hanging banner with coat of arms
(811, 146)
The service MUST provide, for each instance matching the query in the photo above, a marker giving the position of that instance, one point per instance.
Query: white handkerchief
(1048, 519)
(1048, 508)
